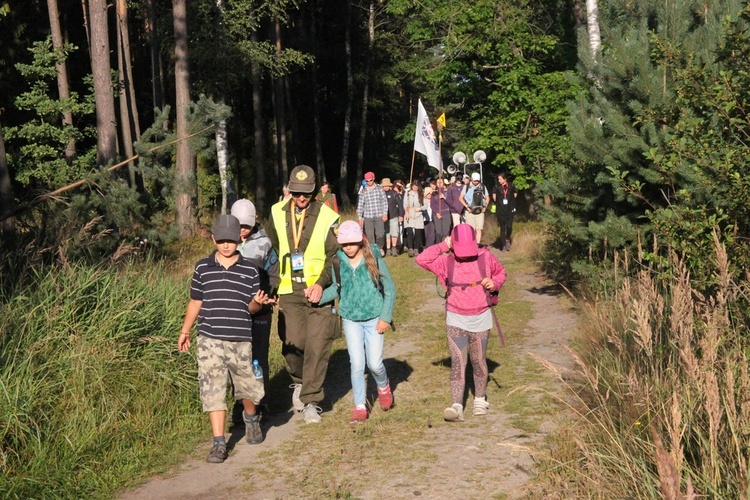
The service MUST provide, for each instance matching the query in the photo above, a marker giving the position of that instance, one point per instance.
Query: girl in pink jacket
(468, 316)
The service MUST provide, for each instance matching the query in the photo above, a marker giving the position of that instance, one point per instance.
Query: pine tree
(604, 200)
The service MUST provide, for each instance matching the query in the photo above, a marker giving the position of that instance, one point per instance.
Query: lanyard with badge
(298, 261)
(505, 195)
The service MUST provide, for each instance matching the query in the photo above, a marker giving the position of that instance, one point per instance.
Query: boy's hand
(262, 298)
(488, 284)
(448, 242)
(183, 342)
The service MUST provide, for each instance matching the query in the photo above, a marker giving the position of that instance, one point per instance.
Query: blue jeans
(362, 339)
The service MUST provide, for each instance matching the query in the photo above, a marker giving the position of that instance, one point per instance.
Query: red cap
(369, 176)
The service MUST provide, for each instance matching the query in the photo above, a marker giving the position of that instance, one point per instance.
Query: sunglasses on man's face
(297, 195)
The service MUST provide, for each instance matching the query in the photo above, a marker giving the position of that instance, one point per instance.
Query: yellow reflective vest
(315, 253)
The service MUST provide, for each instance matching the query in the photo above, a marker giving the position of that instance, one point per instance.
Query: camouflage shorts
(217, 360)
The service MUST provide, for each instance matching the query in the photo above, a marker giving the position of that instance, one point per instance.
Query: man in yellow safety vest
(303, 232)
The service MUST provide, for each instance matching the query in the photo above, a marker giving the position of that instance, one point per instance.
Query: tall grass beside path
(92, 391)
(664, 389)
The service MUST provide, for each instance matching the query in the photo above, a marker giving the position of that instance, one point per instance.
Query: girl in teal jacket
(367, 296)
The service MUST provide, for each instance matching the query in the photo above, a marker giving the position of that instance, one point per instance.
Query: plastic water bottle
(257, 370)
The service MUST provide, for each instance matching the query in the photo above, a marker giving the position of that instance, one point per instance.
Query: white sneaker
(311, 414)
(454, 413)
(297, 404)
(480, 406)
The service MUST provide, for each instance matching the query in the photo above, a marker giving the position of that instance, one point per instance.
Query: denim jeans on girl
(363, 340)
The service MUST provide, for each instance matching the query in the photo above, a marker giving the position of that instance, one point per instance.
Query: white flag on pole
(425, 140)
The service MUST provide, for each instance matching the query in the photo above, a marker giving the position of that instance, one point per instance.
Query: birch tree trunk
(343, 170)
(259, 149)
(63, 88)
(185, 168)
(592, 24)
(7, 201)
(366, 91)
(106, 128)
(222, 144)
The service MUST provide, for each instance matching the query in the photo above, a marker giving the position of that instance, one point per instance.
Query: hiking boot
(454, 413)
(297, 404)
(480, 406)
(253, 432)
(385, 397)
(217, 454)
(507, 245)
(311, 414)
(359, 415)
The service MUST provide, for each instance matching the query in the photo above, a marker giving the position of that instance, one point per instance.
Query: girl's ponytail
(370, 261)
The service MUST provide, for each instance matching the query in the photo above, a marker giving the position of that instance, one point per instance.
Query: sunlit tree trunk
(259, 149)
(343, 170)
(185, 168)
(63, 87)
(7, 202)
(122, 25)
(106, 128)
(125, 131)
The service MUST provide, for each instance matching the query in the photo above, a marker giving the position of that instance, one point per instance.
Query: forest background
(624, 124)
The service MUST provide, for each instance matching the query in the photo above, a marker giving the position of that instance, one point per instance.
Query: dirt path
(482, 457)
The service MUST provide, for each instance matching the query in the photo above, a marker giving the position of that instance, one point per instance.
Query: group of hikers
(418, 215)
(321, 276)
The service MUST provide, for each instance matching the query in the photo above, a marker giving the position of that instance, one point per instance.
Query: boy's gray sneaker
(297, 404)
(454, 413)
(253, 432)
(217, 454)
(480, 406)
(311, 413)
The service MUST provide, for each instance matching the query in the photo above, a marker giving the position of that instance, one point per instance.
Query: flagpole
(411, 172)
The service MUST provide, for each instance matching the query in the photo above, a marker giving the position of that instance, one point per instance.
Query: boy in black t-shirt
(224, 292)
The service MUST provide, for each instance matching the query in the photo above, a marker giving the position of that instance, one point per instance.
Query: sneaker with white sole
(311, 413)
(480, 406)
(297, 404)
(454, 413)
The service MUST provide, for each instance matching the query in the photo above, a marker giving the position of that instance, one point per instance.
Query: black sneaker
(217, 454)
(253, 432)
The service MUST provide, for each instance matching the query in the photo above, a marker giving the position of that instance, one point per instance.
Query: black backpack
(477, 201)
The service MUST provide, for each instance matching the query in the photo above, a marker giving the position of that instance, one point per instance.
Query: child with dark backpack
(367, 296)
(472, 277)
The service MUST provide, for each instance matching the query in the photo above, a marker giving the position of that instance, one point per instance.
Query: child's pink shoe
(359, 415)
(385, 397)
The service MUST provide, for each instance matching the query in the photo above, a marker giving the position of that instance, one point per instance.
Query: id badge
(298, 261)
(505, 201)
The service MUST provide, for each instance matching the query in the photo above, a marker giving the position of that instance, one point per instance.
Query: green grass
(93, 393)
